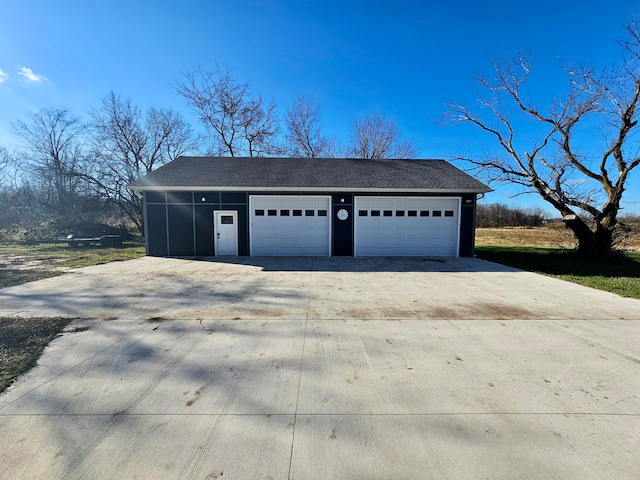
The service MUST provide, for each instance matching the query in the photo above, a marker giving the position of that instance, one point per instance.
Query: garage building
(203, 206)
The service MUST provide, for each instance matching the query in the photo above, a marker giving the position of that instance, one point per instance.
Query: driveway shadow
(563, 263)
(362, 264)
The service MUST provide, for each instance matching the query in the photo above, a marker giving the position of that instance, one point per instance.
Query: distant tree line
(67, 173)
(497, 215)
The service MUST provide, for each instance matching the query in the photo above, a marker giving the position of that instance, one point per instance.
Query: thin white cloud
(3, 76)
(30, 76)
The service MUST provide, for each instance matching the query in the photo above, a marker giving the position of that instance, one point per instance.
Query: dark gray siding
(181, 223)
(342, 238)
(157, 230)
(204, 230)
(467, 226)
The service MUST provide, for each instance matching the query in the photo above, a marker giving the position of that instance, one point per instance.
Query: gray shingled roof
(305, 174)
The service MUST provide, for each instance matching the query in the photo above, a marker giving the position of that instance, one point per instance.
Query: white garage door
(406, 226)
(290, 225)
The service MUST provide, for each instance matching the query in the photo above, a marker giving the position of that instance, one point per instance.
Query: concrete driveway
(304, 368)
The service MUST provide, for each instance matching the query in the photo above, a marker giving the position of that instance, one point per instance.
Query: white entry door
(225, 232)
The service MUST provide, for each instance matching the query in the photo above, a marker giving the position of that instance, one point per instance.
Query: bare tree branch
(54, 156)
(304, 135)
(238, 124)
(375, 137)
(5, 161)
(128, 144)
(554, 166)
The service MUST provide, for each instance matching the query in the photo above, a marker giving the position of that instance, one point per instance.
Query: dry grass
(526, 237)
(551, 237)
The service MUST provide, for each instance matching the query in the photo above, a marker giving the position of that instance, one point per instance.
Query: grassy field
(27, 263)
(548, 251)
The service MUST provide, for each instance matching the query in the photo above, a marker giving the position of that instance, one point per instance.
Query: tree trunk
(596, 243)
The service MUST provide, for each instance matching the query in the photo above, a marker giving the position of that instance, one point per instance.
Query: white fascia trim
(304, 189)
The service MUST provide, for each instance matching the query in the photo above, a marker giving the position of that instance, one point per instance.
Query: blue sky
(401, 59)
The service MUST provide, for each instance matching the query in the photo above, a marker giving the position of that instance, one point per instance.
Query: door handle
(218, 235)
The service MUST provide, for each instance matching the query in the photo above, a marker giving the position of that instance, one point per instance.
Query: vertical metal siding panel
(249, 226)
(355, 229)
(467, 226)
(458, 230)
(146, 223)
(157, 230)
(166, 222)
(204, 229)
(242, 228)
(342, 231)
(330, 209)
(180, 230)
(193, 221)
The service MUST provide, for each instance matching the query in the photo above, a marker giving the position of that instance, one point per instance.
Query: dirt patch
(196, 395)
(476, 311)
(24, 262)
(76, 329)
(482, 311)
(16, 269)
(157, 320)
(27, 263)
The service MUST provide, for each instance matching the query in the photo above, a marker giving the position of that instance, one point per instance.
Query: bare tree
(375, 137)
(5, 162)
(239, 124)
(54, 158)
(304, 135)
(128, 144)
(584, 186)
